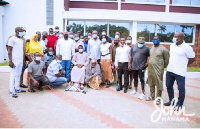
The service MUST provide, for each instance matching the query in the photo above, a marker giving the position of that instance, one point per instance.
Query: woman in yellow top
(33, 47)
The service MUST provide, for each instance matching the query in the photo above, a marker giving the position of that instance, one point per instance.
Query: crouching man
(55, 73)
(37, 71)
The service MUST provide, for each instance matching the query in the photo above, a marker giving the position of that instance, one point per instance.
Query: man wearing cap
(137, 63)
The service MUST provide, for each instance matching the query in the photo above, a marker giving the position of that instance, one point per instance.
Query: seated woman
(93, 75)
(80, 61)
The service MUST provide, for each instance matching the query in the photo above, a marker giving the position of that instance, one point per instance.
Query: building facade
(130, 17)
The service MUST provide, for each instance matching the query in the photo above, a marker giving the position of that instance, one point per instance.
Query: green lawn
(4, 64)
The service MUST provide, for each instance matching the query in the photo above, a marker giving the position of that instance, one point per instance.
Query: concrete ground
(104, 108)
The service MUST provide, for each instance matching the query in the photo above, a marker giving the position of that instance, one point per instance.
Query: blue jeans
(59, 81)
(66, 64)
(170, 78)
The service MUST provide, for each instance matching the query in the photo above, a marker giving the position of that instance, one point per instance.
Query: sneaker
(14, 95)
(133, 92)
(177, 108)
(50, 87)
(142, 96)
(82, 87)
(158, 102)
(20, 91)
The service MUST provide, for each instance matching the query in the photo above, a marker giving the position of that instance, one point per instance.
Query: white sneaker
(142, 96)
(133, 92)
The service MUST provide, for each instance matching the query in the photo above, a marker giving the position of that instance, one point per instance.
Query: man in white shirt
(121, 64)
(55, 73)
(181, 55)
(43, 42)
(15, 55)
(65, 48)
(94, 47)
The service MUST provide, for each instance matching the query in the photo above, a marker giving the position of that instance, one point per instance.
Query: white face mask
(61, 36)
(128, 41)
(116, 36)
(58, 61)
(94, 36)
(89, 37)
(81, 40)
(174, 40)
(38, 58)
(80, 50)
(103, 33)
(77, 38)
(103, 40)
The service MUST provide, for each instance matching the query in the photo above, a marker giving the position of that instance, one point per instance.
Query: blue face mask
(21, 34)
(50, 53)
(103, 40)
(94, 36)
(77, 38)
(51, 34)
(71, 36)
(156, 42)
(24, 33)
(140, 45)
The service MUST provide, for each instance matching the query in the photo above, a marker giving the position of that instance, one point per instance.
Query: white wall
(2, 44)
(30, 14)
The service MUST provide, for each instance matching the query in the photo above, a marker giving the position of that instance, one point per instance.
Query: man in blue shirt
(85, 43)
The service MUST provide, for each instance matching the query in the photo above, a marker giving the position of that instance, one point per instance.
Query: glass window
(195, 2)
(150, 1)
(147, 31)
(122, 28)
(185, 2)
(76, 26)
(188, 32)
(166, 32)
(99, 26)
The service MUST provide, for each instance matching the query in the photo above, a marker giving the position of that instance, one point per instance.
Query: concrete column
(2, 52)
(133, 31)
(167, 6)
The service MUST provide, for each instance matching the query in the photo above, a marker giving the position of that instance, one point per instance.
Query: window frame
(184, 5)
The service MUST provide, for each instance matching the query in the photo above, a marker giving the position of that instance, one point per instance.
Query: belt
(105, 54)
(122, 62)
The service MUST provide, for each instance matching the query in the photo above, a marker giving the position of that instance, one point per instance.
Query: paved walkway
(104, 108)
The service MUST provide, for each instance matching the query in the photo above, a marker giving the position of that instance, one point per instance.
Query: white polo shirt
(65, 48)
(178, 60)
(17, 49)
(122, 54)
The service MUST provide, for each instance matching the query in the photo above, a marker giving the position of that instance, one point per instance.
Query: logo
(167, 113)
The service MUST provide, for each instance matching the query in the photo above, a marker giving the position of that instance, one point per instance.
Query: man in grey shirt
(137, 63)
(36, 72)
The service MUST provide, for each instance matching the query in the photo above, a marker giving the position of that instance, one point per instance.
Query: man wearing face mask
(68, 28)
(77, 42)
(116, 42)
(104, 34)
(181, 55)
(89, 36)
(94, 47)
(117, 36)
(43, 42)
(51, 39)
(48, 57)
(37, 71)
(65, 48)
(16, 57)
(80, 61)
(121, 64)
(158, 60)
(57, 32)
(71, 35)
(138, 63)
(55, 73)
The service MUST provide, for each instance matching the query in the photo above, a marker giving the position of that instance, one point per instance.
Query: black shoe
(169, 103)
(125, 91)
(23, 86)
(177, 108)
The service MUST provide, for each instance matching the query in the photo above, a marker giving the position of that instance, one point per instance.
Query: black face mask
(116, 43)
(44, 36)
(65, 36)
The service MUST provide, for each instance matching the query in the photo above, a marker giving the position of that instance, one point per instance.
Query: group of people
(55, 58)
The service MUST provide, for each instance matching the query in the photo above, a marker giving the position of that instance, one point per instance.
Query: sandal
(23, 86)
(40, 89)
(31, 90)
(149, 98)
(130, 87)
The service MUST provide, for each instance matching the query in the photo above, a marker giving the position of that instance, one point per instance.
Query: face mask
(89, 37)
(103, 33)
(103, 40)
(65, 36)
(81, 40)
(50, 53)
(116, 43)
(128, 41)
(58, 61)
(57, 30)
(116, 36)
(80, 50)
(71, 36)
(77, 38)
(156, 42)
(24, 33)
(38, 58)
(94, 36)
(51, 34)
(61, 36)
(122, 45)
(21, 34)
(174, 40)
(140, 45)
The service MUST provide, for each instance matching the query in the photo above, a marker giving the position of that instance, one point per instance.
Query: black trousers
(123, 69)
(139, 73)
